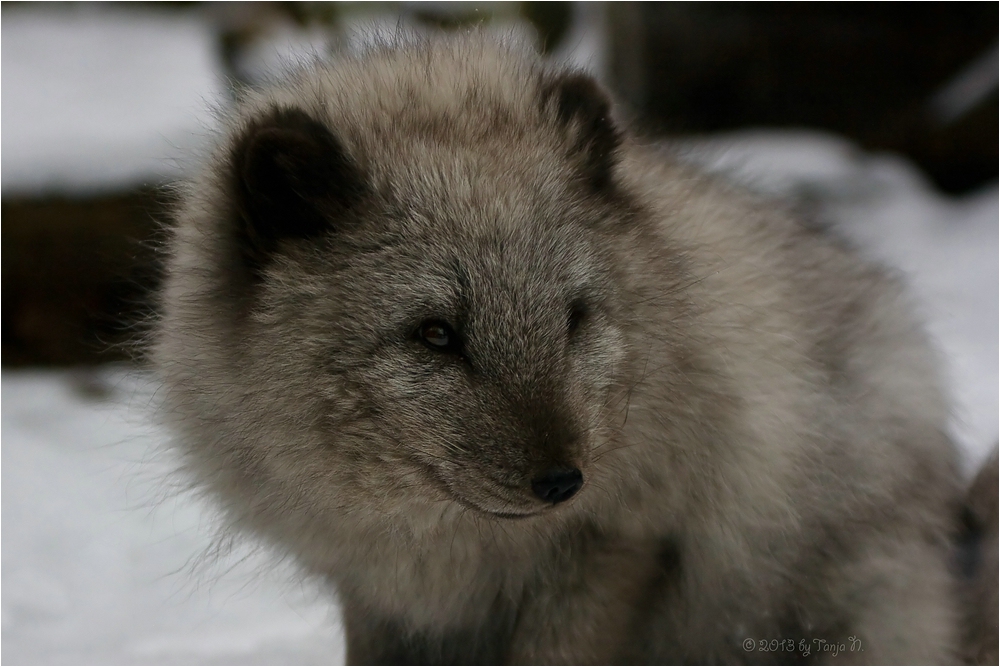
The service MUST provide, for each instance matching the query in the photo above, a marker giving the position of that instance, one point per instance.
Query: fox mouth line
(510, 512)
(501, 514)
(493, 492)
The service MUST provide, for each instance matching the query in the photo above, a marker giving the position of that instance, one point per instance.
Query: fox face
(434, 312)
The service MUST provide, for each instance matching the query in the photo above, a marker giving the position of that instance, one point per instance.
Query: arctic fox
(521, 390)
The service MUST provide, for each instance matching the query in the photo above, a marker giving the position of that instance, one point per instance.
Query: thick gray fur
(756, 412)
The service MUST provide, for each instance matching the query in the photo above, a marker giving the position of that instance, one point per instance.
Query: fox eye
(577, 315)
(439, 336)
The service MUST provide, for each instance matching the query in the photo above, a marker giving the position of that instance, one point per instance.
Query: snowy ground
(103, 561)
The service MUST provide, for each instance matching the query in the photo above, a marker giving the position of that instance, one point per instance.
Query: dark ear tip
(264, 141)
(582, 103)
(292, 178)
(271, 155)
(579, 94)
(287, 142)
(286, 119)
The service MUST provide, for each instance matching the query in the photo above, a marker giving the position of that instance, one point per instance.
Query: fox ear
(294, 180)
(583, 110)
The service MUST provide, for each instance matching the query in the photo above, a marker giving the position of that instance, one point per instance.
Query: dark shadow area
(77, 276)
(871, 71)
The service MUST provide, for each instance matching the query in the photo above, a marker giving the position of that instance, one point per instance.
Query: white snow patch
(100, 98)
(101, 559)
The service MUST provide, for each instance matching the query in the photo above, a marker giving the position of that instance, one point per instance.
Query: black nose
(557, 485)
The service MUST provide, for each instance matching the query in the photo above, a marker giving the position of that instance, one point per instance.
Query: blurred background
(877, 121)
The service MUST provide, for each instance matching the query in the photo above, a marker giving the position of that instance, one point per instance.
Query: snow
(104, 562)
(96, 99)
(106, 559)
